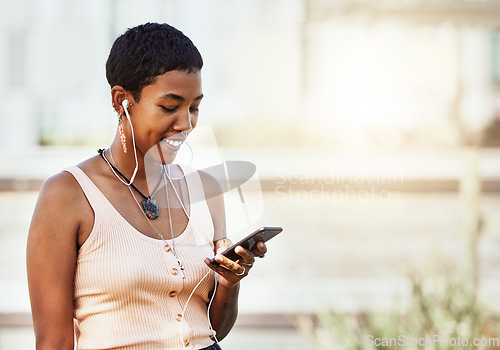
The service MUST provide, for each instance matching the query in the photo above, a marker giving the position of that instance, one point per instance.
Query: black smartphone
(263, 234)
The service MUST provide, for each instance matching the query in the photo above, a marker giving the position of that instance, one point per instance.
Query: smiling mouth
(173, 143)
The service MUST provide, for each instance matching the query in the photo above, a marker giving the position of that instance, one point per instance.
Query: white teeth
(173, 143)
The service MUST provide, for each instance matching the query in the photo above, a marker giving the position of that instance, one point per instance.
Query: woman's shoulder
(59, 207)
(63, 185)
(211, 185)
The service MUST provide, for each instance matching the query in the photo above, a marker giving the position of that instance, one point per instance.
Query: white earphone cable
(208, 308)
(190, 162)
(125, 108)
(166, 175)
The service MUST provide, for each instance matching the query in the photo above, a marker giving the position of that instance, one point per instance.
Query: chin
(161, 153)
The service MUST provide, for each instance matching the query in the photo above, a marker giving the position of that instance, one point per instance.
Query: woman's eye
(194, 109)
(169, 109)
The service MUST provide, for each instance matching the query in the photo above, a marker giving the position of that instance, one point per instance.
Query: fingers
(233, 271)
(247, 257)
(223, 244)
(261, 250)
(229, 264)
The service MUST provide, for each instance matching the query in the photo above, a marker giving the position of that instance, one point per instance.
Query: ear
(118, 94)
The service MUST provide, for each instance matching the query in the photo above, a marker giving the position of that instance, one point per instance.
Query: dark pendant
(150, 208)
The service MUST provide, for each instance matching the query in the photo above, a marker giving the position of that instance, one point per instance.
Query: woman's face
(166, 108)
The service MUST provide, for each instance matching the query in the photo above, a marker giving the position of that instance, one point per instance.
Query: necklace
(149, 204)
(148, 217)
(179, 262)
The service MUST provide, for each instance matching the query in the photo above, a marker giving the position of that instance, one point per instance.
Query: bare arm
(51, 261)
(224, 308)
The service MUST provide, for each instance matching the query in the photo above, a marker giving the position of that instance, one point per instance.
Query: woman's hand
(231, 272)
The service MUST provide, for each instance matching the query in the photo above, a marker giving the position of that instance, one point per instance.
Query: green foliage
(442, 314)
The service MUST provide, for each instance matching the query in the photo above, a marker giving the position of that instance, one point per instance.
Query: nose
(184, 122)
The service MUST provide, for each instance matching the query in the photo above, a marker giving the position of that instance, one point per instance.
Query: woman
(119, 246)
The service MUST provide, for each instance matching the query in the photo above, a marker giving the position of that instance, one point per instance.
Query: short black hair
(144, 52)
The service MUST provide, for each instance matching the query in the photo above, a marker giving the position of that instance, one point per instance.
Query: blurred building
(403, 72)
(277, 73)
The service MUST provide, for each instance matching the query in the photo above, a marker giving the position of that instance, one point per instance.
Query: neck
(126, 163)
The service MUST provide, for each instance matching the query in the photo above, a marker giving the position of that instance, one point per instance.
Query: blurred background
(374, 126)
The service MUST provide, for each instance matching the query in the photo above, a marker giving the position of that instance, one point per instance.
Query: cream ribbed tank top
(129, 292)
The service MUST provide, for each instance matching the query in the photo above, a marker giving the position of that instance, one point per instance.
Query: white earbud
(125, 107)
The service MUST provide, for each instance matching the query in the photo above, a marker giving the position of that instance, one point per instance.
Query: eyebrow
(178, 97)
